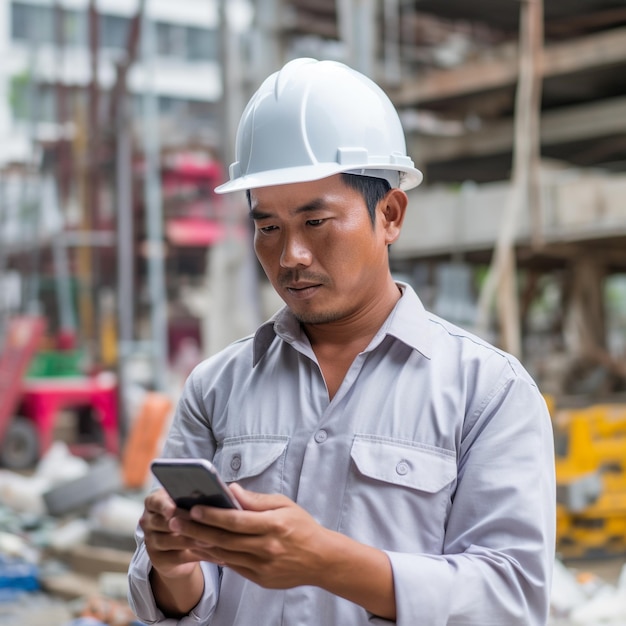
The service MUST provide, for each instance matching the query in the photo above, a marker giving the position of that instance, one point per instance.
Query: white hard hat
(313, 119)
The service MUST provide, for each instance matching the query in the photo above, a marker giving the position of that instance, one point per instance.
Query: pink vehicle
(30, 406)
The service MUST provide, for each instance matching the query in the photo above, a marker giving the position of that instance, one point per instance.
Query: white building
(185, 75)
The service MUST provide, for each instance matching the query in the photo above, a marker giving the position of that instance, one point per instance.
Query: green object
(56, 363)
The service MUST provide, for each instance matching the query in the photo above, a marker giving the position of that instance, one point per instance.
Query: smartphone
(193, 481)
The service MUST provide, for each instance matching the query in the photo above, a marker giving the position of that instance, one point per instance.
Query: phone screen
(193, 481)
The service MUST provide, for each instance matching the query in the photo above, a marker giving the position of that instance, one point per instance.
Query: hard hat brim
(410, 178)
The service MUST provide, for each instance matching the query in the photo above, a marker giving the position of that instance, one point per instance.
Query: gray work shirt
(437, 448)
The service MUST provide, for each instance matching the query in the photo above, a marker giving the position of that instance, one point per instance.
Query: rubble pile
(582, 598)
(66, 539)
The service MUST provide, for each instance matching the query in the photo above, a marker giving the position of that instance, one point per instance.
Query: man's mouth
(302, 290)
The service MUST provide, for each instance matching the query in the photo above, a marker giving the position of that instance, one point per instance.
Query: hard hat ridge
(313, 119)
(289, 72)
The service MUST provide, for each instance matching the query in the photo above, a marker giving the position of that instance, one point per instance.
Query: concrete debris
(68, 536)
(66, 542)
(59, 465)
(103, 479)
(56, 467)
(585, 599)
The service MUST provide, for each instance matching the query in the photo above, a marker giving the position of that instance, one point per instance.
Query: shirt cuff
(422, 590)
(142, 602)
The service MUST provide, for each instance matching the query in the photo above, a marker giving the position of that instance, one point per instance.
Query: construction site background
(120, 269)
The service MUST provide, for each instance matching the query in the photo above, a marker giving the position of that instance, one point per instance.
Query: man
(392, 467)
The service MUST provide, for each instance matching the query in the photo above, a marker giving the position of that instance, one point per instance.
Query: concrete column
(5, 110)
(356, 27)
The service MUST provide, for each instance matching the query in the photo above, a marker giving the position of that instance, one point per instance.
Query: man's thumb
(253, 501)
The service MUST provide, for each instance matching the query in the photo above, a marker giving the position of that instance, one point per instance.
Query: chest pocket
(255, 461)
(398, 494)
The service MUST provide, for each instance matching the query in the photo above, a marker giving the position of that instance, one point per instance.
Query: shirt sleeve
(499, 546)
(142, 601)
(189, 436)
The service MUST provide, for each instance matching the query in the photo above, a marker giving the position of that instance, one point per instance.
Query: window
(20, 21)
(172, 106)
(170, 40)
(114, 31)
(38, 23)
(203, 112)
(34, 103)
(32, 23)
(202, 44)
(76, 33)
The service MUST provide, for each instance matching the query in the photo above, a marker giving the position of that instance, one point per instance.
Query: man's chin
(317, 317)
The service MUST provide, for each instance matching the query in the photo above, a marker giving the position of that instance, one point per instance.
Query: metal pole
(120, 114)
(232, 83)
(31, 191)
(392, 68)
(356, 27)
(4, 304)
(92, 191)
(125, 253)
(268, 53)
(365, 38)
(67, 318)
(154, 209)
(231, 269)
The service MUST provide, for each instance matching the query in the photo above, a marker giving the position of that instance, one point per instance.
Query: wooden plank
(70, 585)
(92, 561)
(501, 69)
(501, 281)
(600, 118)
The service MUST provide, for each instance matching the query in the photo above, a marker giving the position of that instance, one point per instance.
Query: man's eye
(315, 222)
(267, 229)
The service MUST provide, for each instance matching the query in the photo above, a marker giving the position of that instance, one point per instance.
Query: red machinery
(29, 407)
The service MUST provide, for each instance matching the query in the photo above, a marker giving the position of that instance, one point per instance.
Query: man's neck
(337, 344)
(358, 329)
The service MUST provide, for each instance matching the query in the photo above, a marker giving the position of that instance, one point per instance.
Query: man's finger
(253, 501)
(159, 502)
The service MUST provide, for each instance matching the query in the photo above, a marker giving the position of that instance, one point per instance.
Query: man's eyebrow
(314, 205)
(255, 214)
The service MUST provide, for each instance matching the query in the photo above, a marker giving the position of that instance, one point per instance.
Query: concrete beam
(577, 206)
(501, 69)
(600, 118)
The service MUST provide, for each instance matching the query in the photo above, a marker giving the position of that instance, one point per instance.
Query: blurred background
(120, 269)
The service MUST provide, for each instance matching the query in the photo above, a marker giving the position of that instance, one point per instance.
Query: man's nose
(295, 252)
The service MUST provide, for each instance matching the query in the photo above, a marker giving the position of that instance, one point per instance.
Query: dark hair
(372, 189)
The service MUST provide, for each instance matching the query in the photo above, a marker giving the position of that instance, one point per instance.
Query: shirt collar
(408, 322)
(283, 324)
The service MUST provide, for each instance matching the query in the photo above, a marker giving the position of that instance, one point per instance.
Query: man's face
(319, 249)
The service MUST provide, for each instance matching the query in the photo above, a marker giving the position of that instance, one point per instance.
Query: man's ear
(393, 208)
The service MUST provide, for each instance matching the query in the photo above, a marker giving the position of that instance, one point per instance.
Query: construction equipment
(591, 480)
(33, 396)
(18, 436)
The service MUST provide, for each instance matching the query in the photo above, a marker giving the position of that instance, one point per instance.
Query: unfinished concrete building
(516, 113)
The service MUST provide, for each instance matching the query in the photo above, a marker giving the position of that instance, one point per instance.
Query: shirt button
(235, 463)
(321, 436)
(402, 468)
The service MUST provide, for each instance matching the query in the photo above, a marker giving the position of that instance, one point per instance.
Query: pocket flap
(412, 465)
(243, 457)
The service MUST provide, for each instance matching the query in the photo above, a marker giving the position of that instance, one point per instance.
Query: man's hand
(273, 542)
(171, 554)
(176, 578)
(277, 544)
